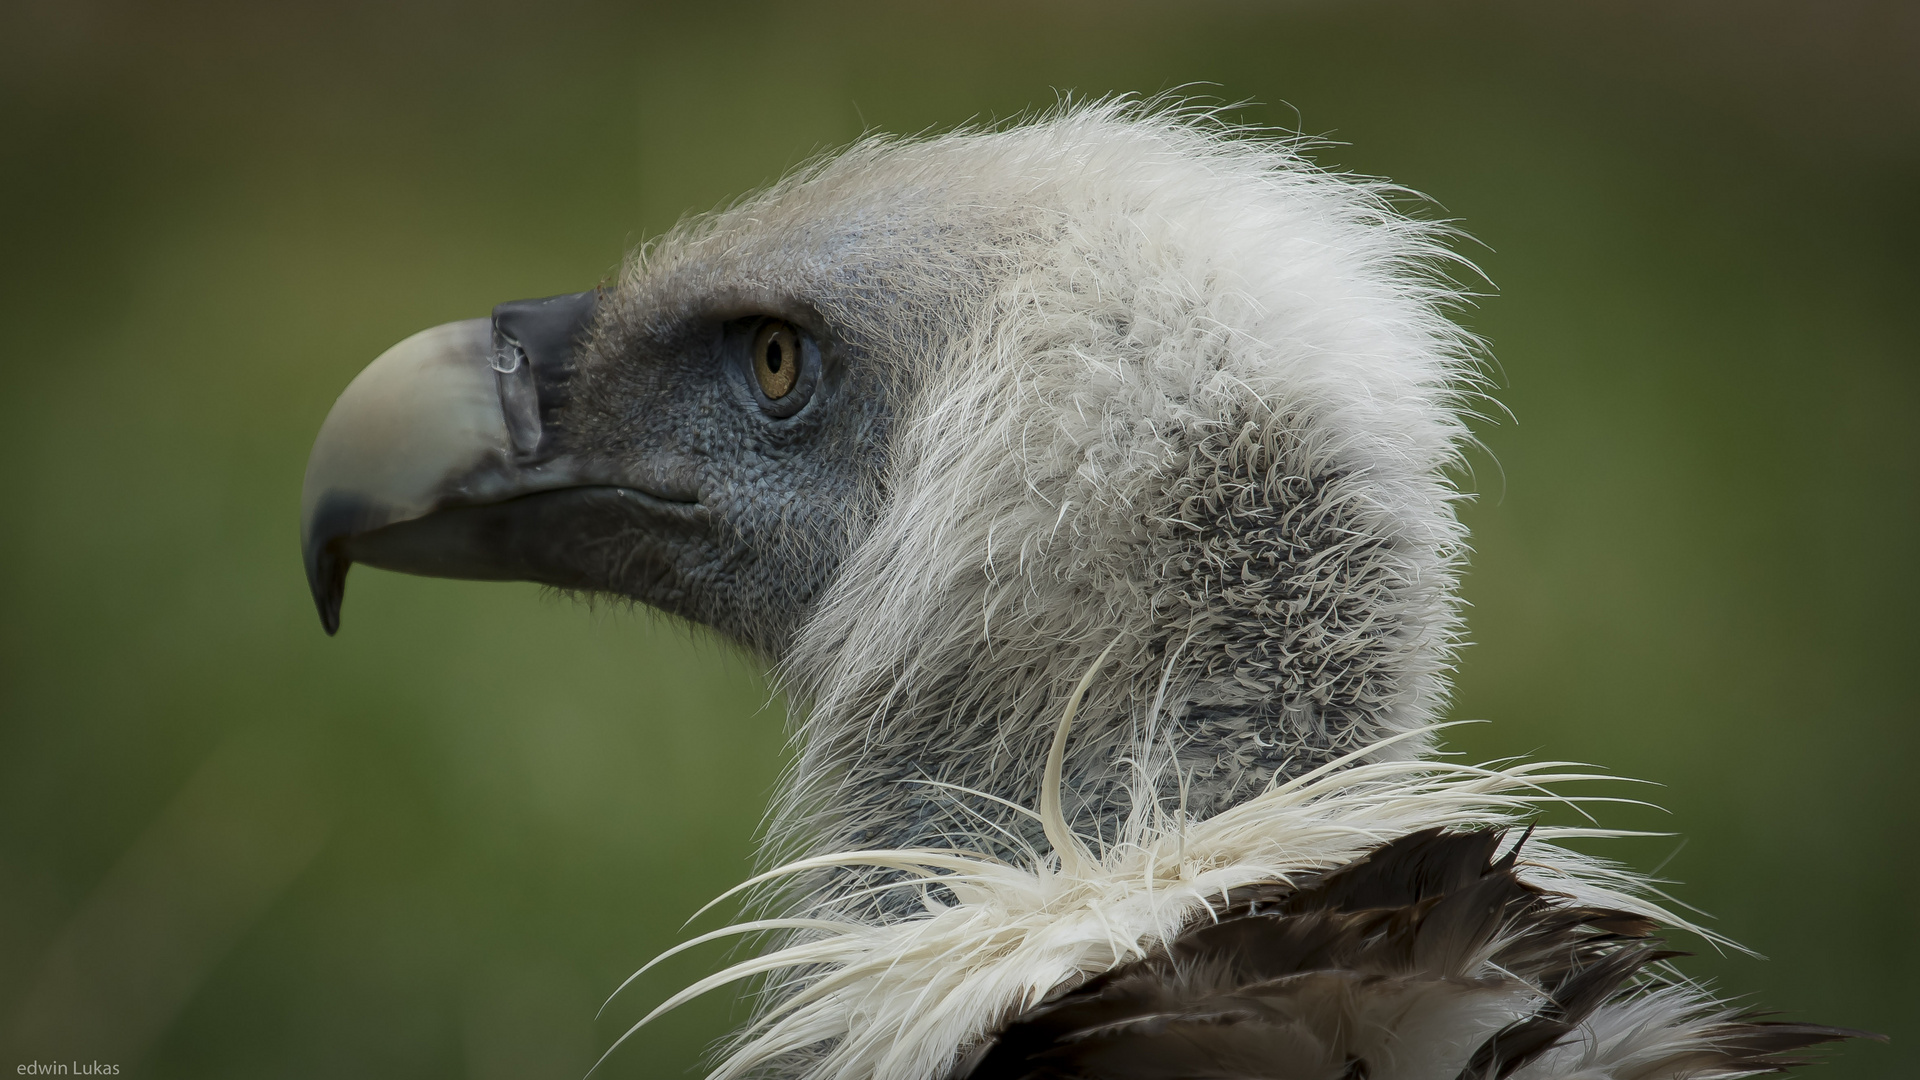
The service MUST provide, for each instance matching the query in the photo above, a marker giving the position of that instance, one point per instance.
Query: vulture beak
(442, 458)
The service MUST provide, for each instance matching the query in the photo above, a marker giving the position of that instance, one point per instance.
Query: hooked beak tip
(327, 577)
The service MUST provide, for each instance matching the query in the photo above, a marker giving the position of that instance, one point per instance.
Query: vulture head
(930, 425)
(936, 429)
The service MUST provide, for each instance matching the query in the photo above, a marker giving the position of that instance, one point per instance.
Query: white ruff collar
(905, 1000)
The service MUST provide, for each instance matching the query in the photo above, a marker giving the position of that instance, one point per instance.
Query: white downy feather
(904, 1000)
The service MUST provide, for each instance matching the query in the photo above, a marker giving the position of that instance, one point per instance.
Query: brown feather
(1428, 950)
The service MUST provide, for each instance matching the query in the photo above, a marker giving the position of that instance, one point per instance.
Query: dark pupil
(775, 356)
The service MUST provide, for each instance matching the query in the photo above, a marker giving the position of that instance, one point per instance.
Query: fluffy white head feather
(1164, 385)
(1176, 401)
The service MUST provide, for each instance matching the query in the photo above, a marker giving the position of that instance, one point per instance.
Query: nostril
(507, 359)
(533, 349)
(519, 396)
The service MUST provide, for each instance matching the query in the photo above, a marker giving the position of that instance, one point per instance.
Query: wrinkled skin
(765, 504)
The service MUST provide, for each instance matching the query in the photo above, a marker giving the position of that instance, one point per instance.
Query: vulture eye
(776, 358)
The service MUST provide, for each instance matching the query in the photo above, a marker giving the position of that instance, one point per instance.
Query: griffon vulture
(1087, 483)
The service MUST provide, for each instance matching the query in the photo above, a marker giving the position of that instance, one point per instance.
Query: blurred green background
(231, 847)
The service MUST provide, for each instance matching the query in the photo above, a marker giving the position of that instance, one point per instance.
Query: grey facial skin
(574, 444)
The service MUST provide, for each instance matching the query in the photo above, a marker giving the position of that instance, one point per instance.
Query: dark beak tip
(327, 578)
(335, 520)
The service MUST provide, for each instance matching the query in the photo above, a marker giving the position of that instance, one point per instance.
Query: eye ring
(776, 358)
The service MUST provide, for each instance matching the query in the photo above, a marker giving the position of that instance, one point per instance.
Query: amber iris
(776, 358)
